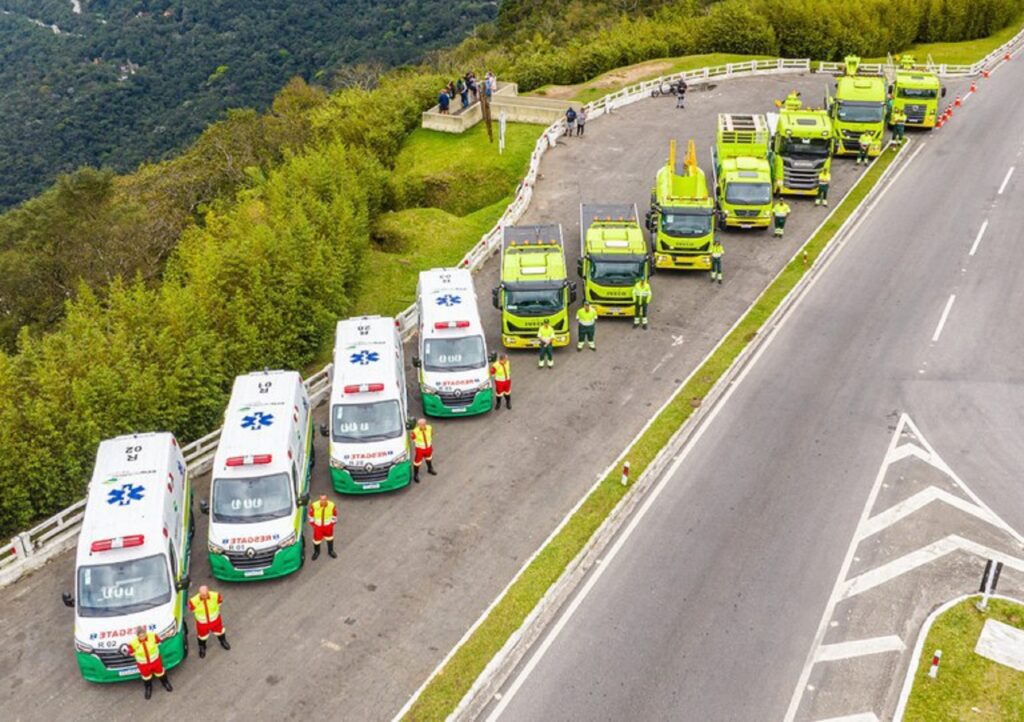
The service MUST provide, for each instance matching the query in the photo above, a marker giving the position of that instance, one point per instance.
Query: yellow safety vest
(546, 333)
(322, 514)
(642, 292)
(866, 139)
(585, 317)
(422, 438)
(145, 651)
(501, 370)
(206, 610)
(824, 177)
(781, 210)
(899, 117)
(717, 250)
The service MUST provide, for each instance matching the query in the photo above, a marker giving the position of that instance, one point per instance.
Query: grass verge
(969, 686)
(443, 693)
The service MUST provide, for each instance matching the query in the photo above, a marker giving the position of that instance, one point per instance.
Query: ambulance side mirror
(943, 92)
(68, 599)
(416, 361)
(204, 506)
(323, 430)
(303, 500)
(183, 583)
(492, 356)
(495, 298)
(579, 267)
(410, 423)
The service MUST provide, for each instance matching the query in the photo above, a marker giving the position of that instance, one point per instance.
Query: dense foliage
(125, 81)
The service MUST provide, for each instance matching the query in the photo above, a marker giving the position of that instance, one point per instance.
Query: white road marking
(1005, 181)
(677, 340)
(859, 648)
(333, 646)
(977, 239)
(905, 508)
(664, 358)
(945, 315)
(860, 717)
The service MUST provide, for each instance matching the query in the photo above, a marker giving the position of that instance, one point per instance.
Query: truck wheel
(184, 642)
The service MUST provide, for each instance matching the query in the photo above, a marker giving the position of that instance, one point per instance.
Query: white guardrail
(33, 548)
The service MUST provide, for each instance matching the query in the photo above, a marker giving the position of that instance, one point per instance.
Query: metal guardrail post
(23, 545)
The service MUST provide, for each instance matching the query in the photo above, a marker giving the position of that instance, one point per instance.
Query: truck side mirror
(183, 583)
(204, 506)
(303, 499)
(572, 292)
(649, 220)
(579, 267)
(416, 362)
(495, 298)
(323, 430)
(492, 356)
(68, 599)
(650, 266)
(943, 92)
(410, 423)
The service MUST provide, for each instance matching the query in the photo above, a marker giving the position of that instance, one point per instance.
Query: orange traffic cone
(938, 122)
(984, 73)
(957, 102)
(974, 87)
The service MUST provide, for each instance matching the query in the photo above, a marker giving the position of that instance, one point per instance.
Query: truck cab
(857, 108)
(682, 215)
(743, 175)
(132, 563)
(369, 446)
(260, 479)
(534, 286)
(801, 148)
(916, 93)
(613, 255)
(453, 359)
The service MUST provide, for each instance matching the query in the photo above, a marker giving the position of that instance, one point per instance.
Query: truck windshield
(129, 587)
(454, 354)
(748, 194)
(860, 112)
(366, 422)
(534, 302)
(252, 499)
(685, 225)
(616, 273)
(918, 93)
(807, 147)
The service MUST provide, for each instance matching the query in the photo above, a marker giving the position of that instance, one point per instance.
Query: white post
(936, 658)
(502, 120)
(625, 474)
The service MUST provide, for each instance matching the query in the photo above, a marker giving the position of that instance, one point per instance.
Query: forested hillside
(125, 81)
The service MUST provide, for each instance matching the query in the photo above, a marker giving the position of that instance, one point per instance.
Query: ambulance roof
(128, 494)
(260, 419)
(365, 356)
(447, 297)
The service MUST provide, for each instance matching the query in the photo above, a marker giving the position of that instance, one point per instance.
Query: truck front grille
(800, 178)
(744, 213)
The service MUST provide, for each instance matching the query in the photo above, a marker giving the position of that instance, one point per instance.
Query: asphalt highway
(706, 607)
(359, 634)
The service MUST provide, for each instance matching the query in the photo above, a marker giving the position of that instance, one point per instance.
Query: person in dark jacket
(444, 100)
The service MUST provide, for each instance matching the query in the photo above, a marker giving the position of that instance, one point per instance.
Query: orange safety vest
(322, 514)
(206, 610)
(422, 438)
(501, 370)
(145, 651)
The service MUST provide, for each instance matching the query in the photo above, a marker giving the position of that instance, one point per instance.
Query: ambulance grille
(114, 659)
(448, 398)
(261, 559)
(361, 476)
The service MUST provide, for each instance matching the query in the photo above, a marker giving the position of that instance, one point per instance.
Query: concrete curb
(908, 681)
(537, 622)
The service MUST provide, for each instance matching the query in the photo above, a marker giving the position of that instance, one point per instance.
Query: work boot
(148, 684)
(430, 468)
(416, 474)
(508, 402)
(712, 278)
(202, 648)
(817, 201)
(579, 346)
(824, 201)
(593, 346)
(316, 552)
(551, 364)
(223, 639)
(166, 682)
(540, 364)
(497, 402)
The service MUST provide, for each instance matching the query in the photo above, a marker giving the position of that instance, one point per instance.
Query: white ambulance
(453, 361)
(133, 555)
(260, 479)
(369, 443)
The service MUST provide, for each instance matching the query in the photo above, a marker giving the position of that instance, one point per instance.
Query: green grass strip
(969, 686)
(443, 693)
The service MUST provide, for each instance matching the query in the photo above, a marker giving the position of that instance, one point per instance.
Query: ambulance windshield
(252, 499)
(454, 354)
(366, 422)
(129, 587)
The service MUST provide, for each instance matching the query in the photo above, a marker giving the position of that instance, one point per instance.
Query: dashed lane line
(945, 315)
(1009, 174)
(977, 239)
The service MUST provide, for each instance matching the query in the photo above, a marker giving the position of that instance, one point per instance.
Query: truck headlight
(169, 631)
(428, 389)
(765, 214)
(214, 549)
(287, 541)
(81, 647)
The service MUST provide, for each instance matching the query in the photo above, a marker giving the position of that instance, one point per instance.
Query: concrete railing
(30, 550)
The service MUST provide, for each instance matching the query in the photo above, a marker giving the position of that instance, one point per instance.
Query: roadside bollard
(1007, 57)
(805, 258)
(936, 658)
(625, 474)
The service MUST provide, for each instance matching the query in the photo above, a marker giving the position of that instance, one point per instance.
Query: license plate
(745, 225)
(371, 486)
(461, 410)
(254, 573)
(126, 672)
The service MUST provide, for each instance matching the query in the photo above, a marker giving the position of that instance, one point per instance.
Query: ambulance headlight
(337, 463)
(484, 386)
(214, 549)
(428, 389)
(287, 541)
(399, 458)
(84, 648)
(169, 631)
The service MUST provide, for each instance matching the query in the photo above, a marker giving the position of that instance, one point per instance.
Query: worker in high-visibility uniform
(501, 372)
(546, 351)
(864, 145)
(586, 326)
(780, 211)
(323, 514)
(145, 647)
(717, 251)
(824, 178)
(899, 127)
(206, 607)
(423, 449)
(641, 302)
